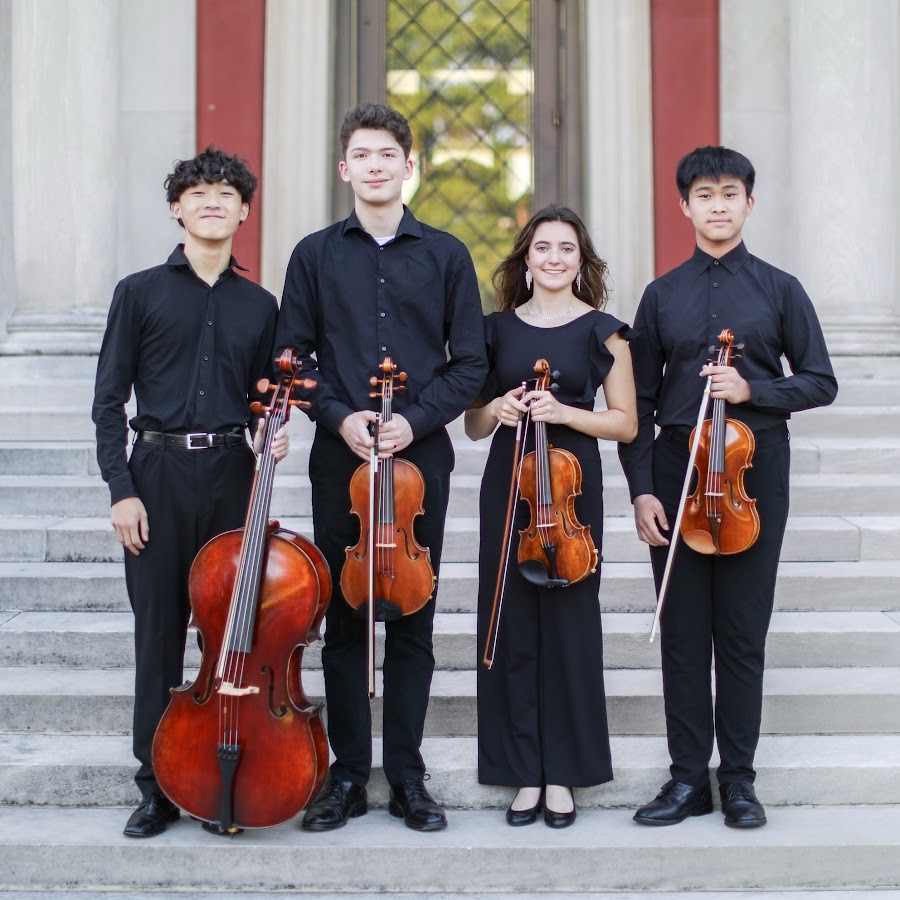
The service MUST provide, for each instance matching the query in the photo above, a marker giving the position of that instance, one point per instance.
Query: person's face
(717, 210)
(554, 256)
(375, 166)
(211, 212)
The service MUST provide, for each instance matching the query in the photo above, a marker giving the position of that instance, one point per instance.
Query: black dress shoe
(412, 802)
(741, 808)
(559, 819)
(336, 802)
(216, 828)
(516, 817)
(674, 803)
(151, 817)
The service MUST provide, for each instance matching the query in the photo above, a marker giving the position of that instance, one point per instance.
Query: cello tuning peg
(265, 386)
(712, 349)
(554, 374)
(554, 387)
(256, 408)
(302, 404)
(739, 346)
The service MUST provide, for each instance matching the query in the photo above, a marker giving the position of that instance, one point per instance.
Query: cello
(386, 571)
(242, 746)
(555, 549)
(718, 518)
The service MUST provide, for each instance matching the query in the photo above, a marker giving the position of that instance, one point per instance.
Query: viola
(719, 518)
(243, 746)
(555, 550)
(387, 572)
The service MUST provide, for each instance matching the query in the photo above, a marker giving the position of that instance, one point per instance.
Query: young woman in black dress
(542, 707)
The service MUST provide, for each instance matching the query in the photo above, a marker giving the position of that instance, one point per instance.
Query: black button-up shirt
(351, 303)
(193, 354)
(680, 317)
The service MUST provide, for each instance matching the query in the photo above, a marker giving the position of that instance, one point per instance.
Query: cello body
(284, 762)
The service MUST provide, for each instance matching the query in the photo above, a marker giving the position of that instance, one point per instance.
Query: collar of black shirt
(177, 258)
(732, 260)
(409, 224)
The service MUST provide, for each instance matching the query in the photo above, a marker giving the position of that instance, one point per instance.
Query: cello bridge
(228, 688)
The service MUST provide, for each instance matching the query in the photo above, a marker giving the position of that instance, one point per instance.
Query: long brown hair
(509, 277)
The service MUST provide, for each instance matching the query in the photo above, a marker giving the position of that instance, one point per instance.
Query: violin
(719, 518)
(387, 571)
(242, 746)
(555, 550)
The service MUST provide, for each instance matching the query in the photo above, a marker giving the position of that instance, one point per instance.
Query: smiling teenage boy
(192, 338)
(380, 283)
(718, 607)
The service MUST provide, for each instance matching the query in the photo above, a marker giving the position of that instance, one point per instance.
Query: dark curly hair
(509, 277)
(208, 167)
(380, 118)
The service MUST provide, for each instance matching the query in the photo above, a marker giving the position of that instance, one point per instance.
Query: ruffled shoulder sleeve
(601, 359)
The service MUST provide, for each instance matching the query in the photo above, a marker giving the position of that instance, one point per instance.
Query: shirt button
(202, 393)
(384, 349)
(716, 263)
(209, 322)
(714, 315)
(205, 359)
(383, 315)
(715, 284)
(381, 280)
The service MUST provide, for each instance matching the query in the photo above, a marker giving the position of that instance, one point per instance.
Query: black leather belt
(195, 440)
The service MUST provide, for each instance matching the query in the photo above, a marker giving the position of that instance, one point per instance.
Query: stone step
(98, 770)
(808, 538)
(626, 587)
(808, 456)
(812, 495)
(797, 701)
(106, 639)
(801, 848)
(379, 895)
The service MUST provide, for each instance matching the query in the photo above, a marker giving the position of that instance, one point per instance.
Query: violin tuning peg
(374, 394)
(712, 349)
(256, 407)
(264, 386)
(399, 388)
(739, 346)
(554, 374)
(400, 376)
(374, 382)
(553, 388)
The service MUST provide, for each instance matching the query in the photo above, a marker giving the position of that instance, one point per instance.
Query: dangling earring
(527, 278)
(578, 281)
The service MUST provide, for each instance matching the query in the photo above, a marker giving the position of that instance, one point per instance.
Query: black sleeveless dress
(542, 707)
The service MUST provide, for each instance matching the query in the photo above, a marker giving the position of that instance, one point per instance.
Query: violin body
(719, 518)
(403, 575)
(284, 759)
(553, 524)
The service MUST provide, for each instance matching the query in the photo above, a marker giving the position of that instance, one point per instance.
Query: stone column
(845, 143)
(7, 260)
(619, 145)
(65, 166)
(298, 173)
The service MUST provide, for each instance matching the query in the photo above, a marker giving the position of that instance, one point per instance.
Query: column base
(57, 334)
(855, 335)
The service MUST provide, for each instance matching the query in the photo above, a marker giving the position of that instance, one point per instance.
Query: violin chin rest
(700, 541)
(536, 573)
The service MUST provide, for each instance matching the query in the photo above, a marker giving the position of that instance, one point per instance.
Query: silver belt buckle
(201, 436)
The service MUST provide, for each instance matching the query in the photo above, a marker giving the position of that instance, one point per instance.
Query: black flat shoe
(555, 819)
(412, 802)
(151, 817)
(741, 808)
(674, 803)
(517, 817)
(337, 802)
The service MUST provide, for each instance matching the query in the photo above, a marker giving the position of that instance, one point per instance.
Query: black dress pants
(409, 657)
(190, 496)
(718, 609)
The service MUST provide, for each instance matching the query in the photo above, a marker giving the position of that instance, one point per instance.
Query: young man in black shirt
(378, 284)
(718, 607)
(192, 338)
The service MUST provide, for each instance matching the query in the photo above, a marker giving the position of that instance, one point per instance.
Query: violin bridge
(386, 546)
(228, 688)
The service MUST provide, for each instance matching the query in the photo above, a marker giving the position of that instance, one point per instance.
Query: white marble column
(65, 165)
(298, 172)
(619, 145)
(7, 259)
(845, 144)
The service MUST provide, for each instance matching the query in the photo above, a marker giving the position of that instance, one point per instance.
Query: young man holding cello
(192, 338)
(380, 284)
(718, 606)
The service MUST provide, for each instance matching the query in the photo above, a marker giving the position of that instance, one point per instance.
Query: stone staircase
(828, 762)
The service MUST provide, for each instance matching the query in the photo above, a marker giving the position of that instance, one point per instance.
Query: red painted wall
(230, 67)
(685, 72)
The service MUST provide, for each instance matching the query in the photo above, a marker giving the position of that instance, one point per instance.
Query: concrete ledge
(798, 849)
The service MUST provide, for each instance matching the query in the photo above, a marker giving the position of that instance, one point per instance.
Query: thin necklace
(561, 315)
